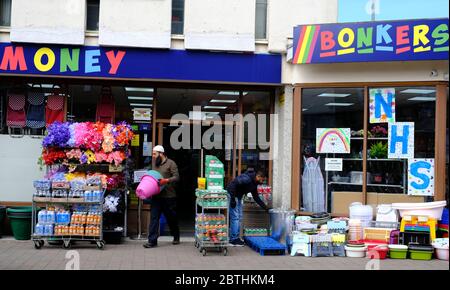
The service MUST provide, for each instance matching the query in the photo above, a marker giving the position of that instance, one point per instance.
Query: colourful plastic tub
(398, 251)
(420, 252)
(377, 252)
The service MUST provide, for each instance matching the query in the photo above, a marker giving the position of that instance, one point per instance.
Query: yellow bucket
(201, 182)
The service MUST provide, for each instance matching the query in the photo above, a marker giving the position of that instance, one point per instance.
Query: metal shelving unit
(200, 226)
(66, 239)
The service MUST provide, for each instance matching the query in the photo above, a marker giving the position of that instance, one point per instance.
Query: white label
(138, 174)
(146, 148)
(333, 164)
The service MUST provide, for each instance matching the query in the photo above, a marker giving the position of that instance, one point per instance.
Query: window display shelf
(370, 138)
(360, 159)
(381, 185)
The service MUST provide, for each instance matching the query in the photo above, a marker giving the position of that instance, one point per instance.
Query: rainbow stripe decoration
(333, 140)
(306, 43)
(374, 41)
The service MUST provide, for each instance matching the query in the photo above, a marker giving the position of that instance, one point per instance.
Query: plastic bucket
(441, 253)
(362, 212)
(148, 187)
(377, 252)
(20, 219)
(281, 224)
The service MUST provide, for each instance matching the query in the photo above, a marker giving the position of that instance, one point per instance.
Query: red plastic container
(377, 252)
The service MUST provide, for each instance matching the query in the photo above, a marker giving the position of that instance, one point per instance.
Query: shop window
(375, 10)
(92, 14)
(5, 12)
(412, 104)
(256, 139)
(332, 123)
(325, 110)
(178, 17)
(261, 19)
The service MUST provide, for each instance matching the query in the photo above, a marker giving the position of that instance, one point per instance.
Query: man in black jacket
(245, 183)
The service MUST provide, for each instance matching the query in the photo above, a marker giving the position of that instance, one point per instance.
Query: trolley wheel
(41, 242)
(38, 244)
(67, 245)
(203, 252)
(225, 251)
(100, 245)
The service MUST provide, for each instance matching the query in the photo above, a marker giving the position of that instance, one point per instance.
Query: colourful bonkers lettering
(60, 60)
(371, 41)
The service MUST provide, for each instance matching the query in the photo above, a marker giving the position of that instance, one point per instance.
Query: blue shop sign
(134, 63)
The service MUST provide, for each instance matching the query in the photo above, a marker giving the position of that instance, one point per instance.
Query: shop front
(370, 121)
(156, 92)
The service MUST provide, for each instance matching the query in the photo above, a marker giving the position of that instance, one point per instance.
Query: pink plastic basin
(148, 187)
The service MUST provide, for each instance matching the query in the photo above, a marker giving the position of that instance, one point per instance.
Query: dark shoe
(176, 241)
(237, 243)
(149, 245)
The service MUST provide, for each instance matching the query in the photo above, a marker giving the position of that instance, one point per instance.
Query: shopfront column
(440, 141)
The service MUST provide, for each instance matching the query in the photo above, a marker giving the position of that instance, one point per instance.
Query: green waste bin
(20, 219)
(2, 218)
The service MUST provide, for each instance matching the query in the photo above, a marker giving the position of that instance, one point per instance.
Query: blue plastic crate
(444, 219)
(265, 246)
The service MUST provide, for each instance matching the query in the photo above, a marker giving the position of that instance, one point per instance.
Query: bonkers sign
(371, 41)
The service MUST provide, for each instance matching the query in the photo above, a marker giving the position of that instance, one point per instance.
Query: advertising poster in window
(401, 140)
(333, 140)
(142, 114)
(382, 105)
(421, 177)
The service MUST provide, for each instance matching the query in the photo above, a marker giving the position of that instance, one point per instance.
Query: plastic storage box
(420, 252)
(398, 251)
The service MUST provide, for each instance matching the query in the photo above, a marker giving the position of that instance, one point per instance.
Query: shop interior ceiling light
(231, 93)
(215, 107)
(131, 89)
(422, 99)
(340, 104)
(304, 110)
(44, 86)
(417, 91)
(140, 105)
(140, 98)
(332, 95)
(223, 101)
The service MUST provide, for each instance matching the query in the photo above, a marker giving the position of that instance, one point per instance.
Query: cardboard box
(386, 198)
(341, 200)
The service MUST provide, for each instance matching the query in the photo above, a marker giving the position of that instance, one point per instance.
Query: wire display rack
(67, 240)
(212, 220)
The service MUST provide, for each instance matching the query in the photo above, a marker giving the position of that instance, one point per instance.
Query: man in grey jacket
(165, 201)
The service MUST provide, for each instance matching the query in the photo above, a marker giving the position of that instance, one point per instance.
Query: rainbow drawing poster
(382, 105)
(333, 140)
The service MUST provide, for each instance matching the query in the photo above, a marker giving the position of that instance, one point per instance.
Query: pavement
(130, 255)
